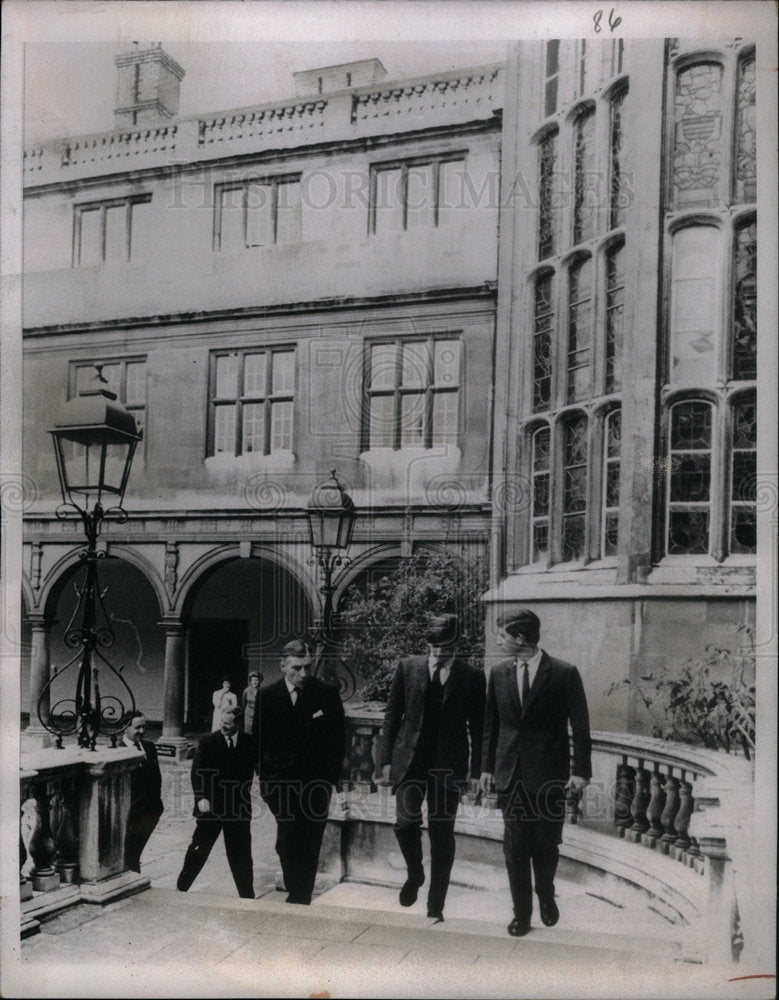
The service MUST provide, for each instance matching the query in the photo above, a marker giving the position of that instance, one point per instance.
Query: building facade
(625, 402)
(272, 292)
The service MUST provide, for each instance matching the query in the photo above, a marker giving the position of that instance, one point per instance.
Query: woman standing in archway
(222, 698)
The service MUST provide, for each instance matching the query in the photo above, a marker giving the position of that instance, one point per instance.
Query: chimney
(147, 89)
(342, 77)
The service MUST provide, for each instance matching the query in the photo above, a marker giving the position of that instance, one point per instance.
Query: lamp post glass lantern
(331, 515)
(94, 439)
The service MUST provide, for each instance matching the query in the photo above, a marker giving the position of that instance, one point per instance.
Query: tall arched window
(746, 164)
(551, 76)
(688, 477)
(612, 446)
(698, 140)
(618, 201)
(543, 322)
(547, 202)
(744, 320)
(615, 318)
(585, 177)
(580, 330)
(743, 472)
(574, 486)
(694, 305)
(540, 467)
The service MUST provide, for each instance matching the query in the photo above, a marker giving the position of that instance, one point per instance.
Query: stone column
(40, 671)
(172, 745)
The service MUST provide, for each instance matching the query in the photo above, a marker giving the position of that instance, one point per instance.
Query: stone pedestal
(173, 749)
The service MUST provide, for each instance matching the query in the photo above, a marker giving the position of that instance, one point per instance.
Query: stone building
(625, 413)
(272, 291)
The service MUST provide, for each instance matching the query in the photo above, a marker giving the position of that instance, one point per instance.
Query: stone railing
(74, 805)
(262, 122)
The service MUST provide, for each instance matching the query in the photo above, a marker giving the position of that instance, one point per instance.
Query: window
(252, 397)
(694, 305)
(612, 444)
(743, 478)
(415, 194)
(689, 477)
(547, 201)
(542, 343)
(540, 468)
(581, 57)
(551, 76)
(746, 164)
(580, 330)
(110, 232)
(612, 55)
(615, 318)
(698, 148)
(585, 176)
(619, 196)
(574, 487)
(744, 321)
(124, 376)
(412, 389)
(258, 213)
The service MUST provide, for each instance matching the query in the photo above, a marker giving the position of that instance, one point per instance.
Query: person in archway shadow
(222, 698)
(145, 793)
(302, 732)
(531, 700)
(434, 713)
(222, 773)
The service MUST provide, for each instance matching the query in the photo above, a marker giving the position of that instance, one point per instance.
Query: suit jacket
(461, 721)
(146, 784)
(301, 742)
(224, 777)
(531, 744)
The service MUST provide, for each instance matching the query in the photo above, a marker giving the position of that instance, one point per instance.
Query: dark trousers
(532, 833)
(300, 810)
(442, 802)
(238, 846)
(140, 826)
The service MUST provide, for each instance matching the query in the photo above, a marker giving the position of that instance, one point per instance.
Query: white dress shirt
(446, 666)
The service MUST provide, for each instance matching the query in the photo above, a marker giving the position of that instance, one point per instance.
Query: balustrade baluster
(655, 808)
(669, 813)
(623, 796)
(41, 846)
(682, 823)
(362, 765)
(639, 804)
(25, 886)
(65, 839)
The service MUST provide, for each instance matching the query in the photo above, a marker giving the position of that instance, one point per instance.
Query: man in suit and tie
(431, 741)
(531, 700)
(145, 793)
(302, 735)
(222, 772)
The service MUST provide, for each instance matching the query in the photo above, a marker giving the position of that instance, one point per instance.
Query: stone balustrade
(461, 94)
(73, 805)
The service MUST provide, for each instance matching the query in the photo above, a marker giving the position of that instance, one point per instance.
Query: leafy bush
(709, 701)
(389, 618)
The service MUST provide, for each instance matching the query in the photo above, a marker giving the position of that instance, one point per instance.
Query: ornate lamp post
(331, 515)
(94, 443)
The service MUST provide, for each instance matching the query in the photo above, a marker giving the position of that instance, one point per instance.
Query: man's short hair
(522, 622)
(231, 710)
(135, 714)
(296, 647)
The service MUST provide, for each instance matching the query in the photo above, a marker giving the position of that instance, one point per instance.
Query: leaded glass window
(542, 343)
(586, 178)
(695, 305)
(615, 317)
(547, 207)
(689, 477)
(612, 443)
(580, 331)
(698, 147)
(746, 162)
(574, 487)
(619, 199)
(540, 466)
(551, 76)
(745, 303)
(743, 481)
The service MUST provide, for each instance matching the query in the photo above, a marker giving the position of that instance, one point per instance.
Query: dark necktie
(230, 744)
(525, 684)
(437, 676)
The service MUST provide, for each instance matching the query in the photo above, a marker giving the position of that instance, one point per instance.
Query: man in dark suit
(302, 734)
(222, 773)
(145, 793)
(435, 710)
(531, 700)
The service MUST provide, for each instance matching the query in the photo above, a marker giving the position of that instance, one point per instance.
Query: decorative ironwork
(542, 344)
(618, 201)
(697, 159)
(574, 487)
(547, 207)
(579, 330)
(689, 478)
(746, 160)
(90, 712)
(585, 202)
(745, 304)
(743, 478)
(615, 318)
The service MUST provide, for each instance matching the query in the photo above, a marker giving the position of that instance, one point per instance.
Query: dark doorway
(217, 648)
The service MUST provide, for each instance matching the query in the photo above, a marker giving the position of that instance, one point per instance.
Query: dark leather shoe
(436, 915)
(549, 912)
(410, 891)
(518, 928)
